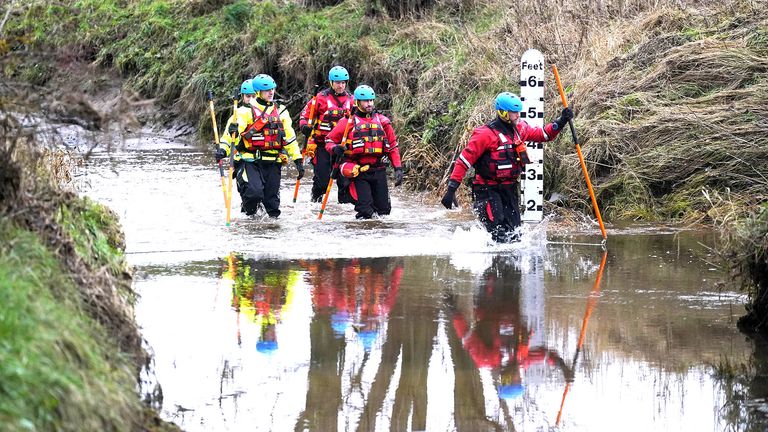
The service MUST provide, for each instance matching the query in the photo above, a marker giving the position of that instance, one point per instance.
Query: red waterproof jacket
(329, 109)
(494, 149)
(369, 139)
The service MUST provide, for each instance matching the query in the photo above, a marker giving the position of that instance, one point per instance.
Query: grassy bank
(59, 370)
(70, 350)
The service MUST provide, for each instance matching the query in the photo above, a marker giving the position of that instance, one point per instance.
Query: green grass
(56, 372)
(95, 232)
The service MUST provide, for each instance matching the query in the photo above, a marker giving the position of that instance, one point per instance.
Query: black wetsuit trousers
(372, 194)
(497, 207)
(259, 182)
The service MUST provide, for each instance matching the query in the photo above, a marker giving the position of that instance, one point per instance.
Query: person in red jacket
(359, 142)
(318, 118)
(497, 152)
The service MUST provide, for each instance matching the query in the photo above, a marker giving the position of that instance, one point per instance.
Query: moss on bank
(70, 350)
(59, 370)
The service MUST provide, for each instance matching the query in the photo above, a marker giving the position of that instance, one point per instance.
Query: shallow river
(416, 321)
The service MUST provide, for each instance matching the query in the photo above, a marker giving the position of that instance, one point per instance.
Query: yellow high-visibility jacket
(244, 117)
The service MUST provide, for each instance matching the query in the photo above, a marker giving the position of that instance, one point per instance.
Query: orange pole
(581, 157)
(231, 159)
(593, 296)
(330, 182)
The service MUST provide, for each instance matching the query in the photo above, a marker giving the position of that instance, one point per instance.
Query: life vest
(334, 112)
(368, 138)
(266, 132)
(502, 163)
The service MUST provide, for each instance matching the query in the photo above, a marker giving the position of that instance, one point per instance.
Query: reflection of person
(497, 152)
(497, 338)
(262, 293)
(346, 294)
(357, 292)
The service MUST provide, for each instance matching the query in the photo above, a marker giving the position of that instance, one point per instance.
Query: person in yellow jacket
(262, 133)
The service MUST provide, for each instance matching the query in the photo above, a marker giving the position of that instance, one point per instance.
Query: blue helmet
(247, 87)
(510, 391)
(368, 337)
(263, 82)
(339, 323)
(507, 101)
(266, 347)
(338, 73)
(364, 92)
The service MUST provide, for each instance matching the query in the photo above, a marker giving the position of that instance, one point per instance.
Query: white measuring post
(532, 95)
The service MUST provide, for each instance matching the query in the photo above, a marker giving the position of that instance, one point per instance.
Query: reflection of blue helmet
(364, 92)
(263, 82)
(338, 73)
(339, 323)
(266, 347)
(511, 391)
(508, 102)
(247, 87)
(368, 337)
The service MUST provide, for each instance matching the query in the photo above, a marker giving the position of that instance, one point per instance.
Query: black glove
(306, 130)
(398, 176)
(338, 150)
(565, 116)
(233, 129)
(300, 168)
(450, 195)
(220, 154)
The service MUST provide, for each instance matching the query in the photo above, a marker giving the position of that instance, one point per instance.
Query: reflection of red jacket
(485, 140)
(355, 288)
(495, 350)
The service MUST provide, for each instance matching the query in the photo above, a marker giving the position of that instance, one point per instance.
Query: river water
(417, 321)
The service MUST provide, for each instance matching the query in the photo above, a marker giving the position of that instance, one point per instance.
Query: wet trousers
(259, 182)
(322, 175)
(371, 194)
(497, 207)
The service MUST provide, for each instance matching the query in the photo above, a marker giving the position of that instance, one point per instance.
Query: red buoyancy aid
(368, 138)
(334, 112)
(503, 162)
(266, 132)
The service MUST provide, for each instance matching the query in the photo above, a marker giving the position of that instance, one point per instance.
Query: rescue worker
(368, 137)
(318, 118)
(497, 152)
(264, 139)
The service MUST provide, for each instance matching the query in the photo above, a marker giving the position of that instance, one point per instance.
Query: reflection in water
(471, 342)
(261, 295)
(591, 303)
(351, 301)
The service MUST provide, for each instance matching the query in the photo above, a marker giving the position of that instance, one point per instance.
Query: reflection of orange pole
(593, 296)
(330, 182)
(581, 157)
